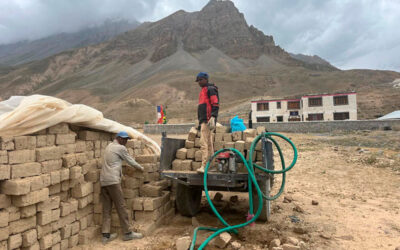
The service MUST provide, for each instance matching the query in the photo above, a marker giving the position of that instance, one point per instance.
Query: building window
(278, 105)
(315, 102)
(316, 117)
(340, 100)
(263, 119)
(293, 105)
(341, 116)
(279, 118)
(262, 106)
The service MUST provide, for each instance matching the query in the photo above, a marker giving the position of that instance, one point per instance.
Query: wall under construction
(50, 189)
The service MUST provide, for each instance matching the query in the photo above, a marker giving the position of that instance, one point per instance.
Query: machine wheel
(188, 200)
(266, 210)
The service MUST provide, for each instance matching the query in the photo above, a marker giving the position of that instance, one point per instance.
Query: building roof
(391, 116)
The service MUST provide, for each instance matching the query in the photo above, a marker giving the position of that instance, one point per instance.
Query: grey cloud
(348, 33)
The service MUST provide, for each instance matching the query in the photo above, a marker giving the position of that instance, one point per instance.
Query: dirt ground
(343, 193)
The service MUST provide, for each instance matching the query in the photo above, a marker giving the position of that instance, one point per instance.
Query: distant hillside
(314, 60)
(27, 51)
(157, 62)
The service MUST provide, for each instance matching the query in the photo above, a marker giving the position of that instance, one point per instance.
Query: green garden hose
(251, 181)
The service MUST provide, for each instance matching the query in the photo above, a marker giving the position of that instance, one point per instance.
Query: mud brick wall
(50, 189)
(189, 157)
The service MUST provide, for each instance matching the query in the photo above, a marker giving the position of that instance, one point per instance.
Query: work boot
(132, 236)
(200, 170)
(111, 237)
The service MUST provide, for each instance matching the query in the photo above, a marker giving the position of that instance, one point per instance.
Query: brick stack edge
(189, 157)
(50, 189)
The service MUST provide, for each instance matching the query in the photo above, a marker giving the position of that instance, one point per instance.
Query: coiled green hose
(251, 181)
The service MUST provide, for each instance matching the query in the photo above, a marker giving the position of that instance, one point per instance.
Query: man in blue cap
(111, 191)
(207, 112)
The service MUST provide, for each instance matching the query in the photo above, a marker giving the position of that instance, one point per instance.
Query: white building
(326, 107)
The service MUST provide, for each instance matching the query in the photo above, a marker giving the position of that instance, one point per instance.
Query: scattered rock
(303, 245)
(336, 148)
(236, 245)
(274, 243)
(287, 199)
(289, 247)
(292, 241)
(294, 219)
(397, 248)
(314, 202)
(183, 243)
(218, 196)
(300, 230)
(325, 236)
(276, 248)
(297, 208)
(195, 222)
(222, 240)
(234, 199)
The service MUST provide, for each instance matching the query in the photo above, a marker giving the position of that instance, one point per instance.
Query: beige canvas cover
(22, 115)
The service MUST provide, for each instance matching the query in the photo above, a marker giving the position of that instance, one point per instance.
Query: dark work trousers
(109, 195)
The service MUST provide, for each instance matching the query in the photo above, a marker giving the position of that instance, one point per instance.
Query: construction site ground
(343, 193)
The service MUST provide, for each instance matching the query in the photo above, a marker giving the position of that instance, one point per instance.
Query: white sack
(22, 115)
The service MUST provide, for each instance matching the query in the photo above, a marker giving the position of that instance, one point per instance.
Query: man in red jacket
(207, 113)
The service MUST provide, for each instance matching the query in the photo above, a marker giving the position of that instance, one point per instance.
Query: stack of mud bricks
(50, 189)
(189, 157)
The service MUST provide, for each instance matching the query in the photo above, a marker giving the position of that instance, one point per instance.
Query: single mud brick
(148, 215)
(83, 223)
(66, 231)
(25, 170)
(41, 141)
(46, 241)
(222, 240)
(28, 211)
(69, 160)
(52, 165)
(196, 165)
(63, 221)
(218, 145)
(75, 172)
(229, 144)
(87, 135)
(186, 165)
(67, 148)
(5, 201)
(65, 186)
(146, 159)
(219, 136)
(240, 145)
(44, 217)
(64, 174)
(190, 153)
(4, 218)
(197, 143)
(55, 214)
(14, 241)
(15, 187)
(21, 156)
(198, 156)
(48, 153)
(176, 164)
(130, 193)
(192, 134)
(31, 198)
(149, 190)
(43, 230)
(81, 146)
(5, 172)
(150, 204)
(237, 136)
(82, 190)
(227, 137)
(22, 225)
(25, 142)
(249, 133)
(181, 153)
(7, 143)
(14, 213)
(4, 233)
(3, 157)
(54, 189)
(55, 177)
(65, 138)
(221, 129)
(260, 130)
(81, 158)
(56, 237)
(35, 184)
(73, 241)
(163, 183)
(131, 183)
(49, 204)
(61, 128)
(137, 203)
(248, 142)
(92, 176)
(29, 238)
(189, 144)
(183, 243)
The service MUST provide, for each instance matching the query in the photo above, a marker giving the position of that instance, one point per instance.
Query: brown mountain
(156, 64)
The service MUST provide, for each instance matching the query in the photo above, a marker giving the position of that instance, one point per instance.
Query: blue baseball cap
(123, 134)
(201, 75)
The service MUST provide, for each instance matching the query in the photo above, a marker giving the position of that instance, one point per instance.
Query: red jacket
(208, 103)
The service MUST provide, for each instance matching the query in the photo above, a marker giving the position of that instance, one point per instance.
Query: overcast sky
(348, 33)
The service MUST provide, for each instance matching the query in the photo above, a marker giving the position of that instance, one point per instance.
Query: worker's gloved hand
(138, 166)
(211, 123)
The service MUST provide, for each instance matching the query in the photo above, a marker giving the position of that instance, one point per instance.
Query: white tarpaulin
(23, 115)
